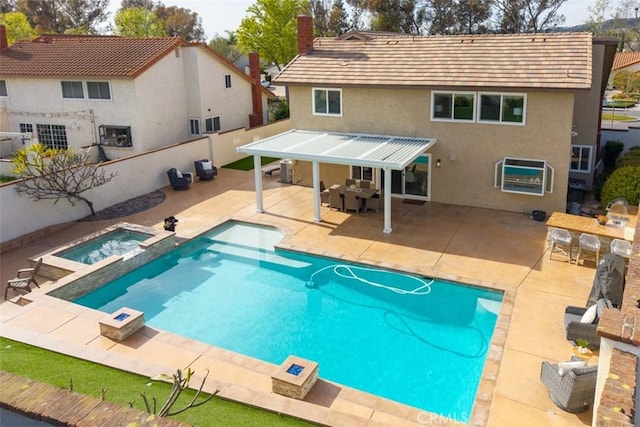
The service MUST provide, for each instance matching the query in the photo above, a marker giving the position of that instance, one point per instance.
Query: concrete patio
(501, 250)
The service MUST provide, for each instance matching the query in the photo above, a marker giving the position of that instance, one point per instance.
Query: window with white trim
(3, 88)
(524, 176)
(26, 128)
(212, 124)
(327, 102)
(363, 173)
(52, 136)
(453, 106)
(580, 158)
(98, 90)
(115, 136)
(502, 108)
(194, 127)
(72, 90)
(227, 80)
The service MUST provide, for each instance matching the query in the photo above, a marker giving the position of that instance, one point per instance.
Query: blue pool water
(117, 242)
(229, 288)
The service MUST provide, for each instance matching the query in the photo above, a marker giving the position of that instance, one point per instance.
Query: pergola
(376, 151)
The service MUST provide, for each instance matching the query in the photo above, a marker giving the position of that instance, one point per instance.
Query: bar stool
(561, 241)
(589, 243)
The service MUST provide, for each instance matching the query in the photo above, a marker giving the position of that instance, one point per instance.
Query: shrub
(612, 150)
(630, 158)
(623, 182)
(598, 182)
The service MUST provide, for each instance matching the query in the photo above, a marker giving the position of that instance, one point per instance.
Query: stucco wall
(476, 147)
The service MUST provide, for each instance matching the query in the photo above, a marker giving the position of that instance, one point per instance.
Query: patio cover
(376, 151)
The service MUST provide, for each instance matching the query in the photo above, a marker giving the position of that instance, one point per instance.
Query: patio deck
(497, 249)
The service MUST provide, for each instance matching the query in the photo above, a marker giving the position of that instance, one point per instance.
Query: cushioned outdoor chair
(335, 199)
(324, 194)
(179, 180)
(571, 391)
(373, 203)
(24, 278)
(576, 328)
(205, 169)
(352, 202)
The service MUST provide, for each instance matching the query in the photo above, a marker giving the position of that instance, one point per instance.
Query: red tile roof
(81, 55)
(624, 59)
(549, 61)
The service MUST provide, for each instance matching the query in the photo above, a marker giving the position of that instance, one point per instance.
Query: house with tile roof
(515, 116)
(129, 94)
(625, 61)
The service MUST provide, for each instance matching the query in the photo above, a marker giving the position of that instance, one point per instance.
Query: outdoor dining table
(622, 228)
(361, 193)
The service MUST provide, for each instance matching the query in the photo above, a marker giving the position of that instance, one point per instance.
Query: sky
(219, 16)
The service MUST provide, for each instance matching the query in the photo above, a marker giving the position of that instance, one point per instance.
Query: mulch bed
(129, 207)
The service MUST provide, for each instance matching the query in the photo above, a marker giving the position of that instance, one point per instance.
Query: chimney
(255, 119)
(305, 34)
(3, 38)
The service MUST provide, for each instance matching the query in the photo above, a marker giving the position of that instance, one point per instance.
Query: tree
(138, 22)
(338, 19)
(441, 17)
(147, 4)
(180, 22)
(226, 46)
(17, 26)
(53, 174)
(7, 6)
(472, 16)
(319, 11)
(528, 16)
(64, 16)
(271, 30)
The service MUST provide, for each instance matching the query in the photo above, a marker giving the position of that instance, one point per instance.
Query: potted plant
(582, 345)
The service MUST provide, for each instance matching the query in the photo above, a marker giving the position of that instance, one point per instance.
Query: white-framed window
(581, 158)
(362, 173)
(94, 90)
(72, 89)
(3, 89)
(26, 128)
(327, 102)
(508, 108)
(524, 176)
(194, 127)
(453, 106)
(53, 136)
(98, 90)
(115, 136)
(227, 80)
(212, 124)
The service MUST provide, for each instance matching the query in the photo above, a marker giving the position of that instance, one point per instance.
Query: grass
(246, 164)
(123, 387)
(618, 117)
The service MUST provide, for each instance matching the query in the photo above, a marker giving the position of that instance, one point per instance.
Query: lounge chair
(571, 391)
(24, 278)
(179, 180)
(205, 170)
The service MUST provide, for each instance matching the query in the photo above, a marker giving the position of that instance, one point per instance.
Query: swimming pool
(117, 242)
(402, 337)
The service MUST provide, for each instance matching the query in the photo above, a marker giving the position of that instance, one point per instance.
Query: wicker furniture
(576, 329)
(205, 169)
(179, 180)
(572, 391)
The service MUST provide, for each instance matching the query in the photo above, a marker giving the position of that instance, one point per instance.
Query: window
(453, 106)
(72, 90)
(227, 80)
(327, 102)
(115, 136)
(524, 176)
(3, 88)
(212, 124)
(580, 158)
(98, 90)
(26, 128)
(52, 136)
(363, 173)
(502, 108)
(194, 127)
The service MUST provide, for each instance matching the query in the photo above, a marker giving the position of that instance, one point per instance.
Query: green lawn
(617, 117)
(122, 387)
(246, 164)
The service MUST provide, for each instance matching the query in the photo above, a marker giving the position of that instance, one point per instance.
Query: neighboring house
(625, 61)
(128, 94)
(514, 116)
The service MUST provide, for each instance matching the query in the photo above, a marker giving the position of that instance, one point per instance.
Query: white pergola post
(257, 174)
(387, 201)
(316, 191)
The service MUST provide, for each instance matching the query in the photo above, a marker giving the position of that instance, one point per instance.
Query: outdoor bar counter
(577, 225)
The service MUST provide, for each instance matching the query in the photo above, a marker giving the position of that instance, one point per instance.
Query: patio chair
(205, 169)
(571, 391)
(349, 182)
(576, 328)
(24, 278)
(589, 243)
(179, 180)
(324, 194)
(352, 202)
(373, 203)
(365, 184)
(335, 199)
(561, 241)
